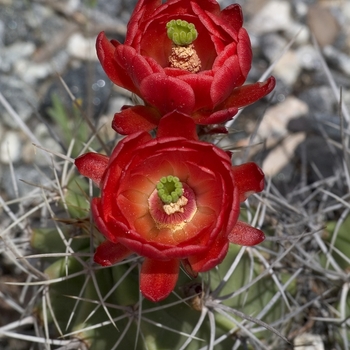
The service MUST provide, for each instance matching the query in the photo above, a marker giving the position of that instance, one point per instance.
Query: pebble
(276, 118)
(10, 148)
(322, 24)
(288, 68)
(273, 17)
(20, 96)
(281, 156)
(339, 58)
(308, 341)
(9, 55)
(82, 48)
(309, 57)
(319, 99)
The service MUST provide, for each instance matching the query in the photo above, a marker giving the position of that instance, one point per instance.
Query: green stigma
(181, 32)
(169, 189)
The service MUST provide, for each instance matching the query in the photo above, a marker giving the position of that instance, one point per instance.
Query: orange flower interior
(174, 222)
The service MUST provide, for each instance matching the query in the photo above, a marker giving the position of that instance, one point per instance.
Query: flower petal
(135, 119)
(232, 16)
(244, 52)
(158, 278)
(201, 85)
(143, 10)
(167, 93)
(249, 179)
(105, 52)
(209, 259)
(226, 78)
(92, 165)
(176, 124)
(206, 117)
(246, 235)
(247, 94)
(109, 253)
(134, 65)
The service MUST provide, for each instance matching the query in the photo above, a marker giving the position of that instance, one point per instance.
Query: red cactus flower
(170, 199)
(182, 55)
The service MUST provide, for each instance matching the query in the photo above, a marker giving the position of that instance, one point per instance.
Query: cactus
(259, 297)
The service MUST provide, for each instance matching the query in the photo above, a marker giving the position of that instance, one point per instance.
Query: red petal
(207, 260)
(232, 15)
(105, 52)
(246, 235)
(249, 178)
(167, 93)
(188, 268)
(201, 85)
(226, 78)
(133, 64)
(158, 278)
(245, 95)
(109, 253)
(177, 124)
(244, 52)
(143, 10)
(92, 165)
(210, 117)
(126, 148)
(135, 119)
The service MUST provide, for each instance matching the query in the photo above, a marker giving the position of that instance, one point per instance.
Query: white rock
(274, 16)
(280, 156)
(288, 68)
(10, 148)
(307, 341)
(31, 72)
(11, 54)
(82, 48)
(277, 117)
(298, 32)
(308, 57)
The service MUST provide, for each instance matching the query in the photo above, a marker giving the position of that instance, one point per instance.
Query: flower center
(183, 54)
(169, 189)
(181, 32)
(172, 204)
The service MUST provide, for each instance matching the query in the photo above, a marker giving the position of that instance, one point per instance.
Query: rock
(276, 118)
(308, 57)
(322, 24)
(9, 55)
(321, 159)
(298, 32)
(319, 99)
(28, 174)
(308, 341)
(282, 155)
(10, 148)
(274, 16)
(272, 45)
(288, 68)
(322, 124)
(338, 58)
(82, 48)
(20, 96)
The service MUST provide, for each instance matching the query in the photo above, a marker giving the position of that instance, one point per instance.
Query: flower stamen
(176, 207)
(183, 54)
(169, 189)
(181, 32)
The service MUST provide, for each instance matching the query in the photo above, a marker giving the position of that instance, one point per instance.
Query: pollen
(186, 58)
(176, 207)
